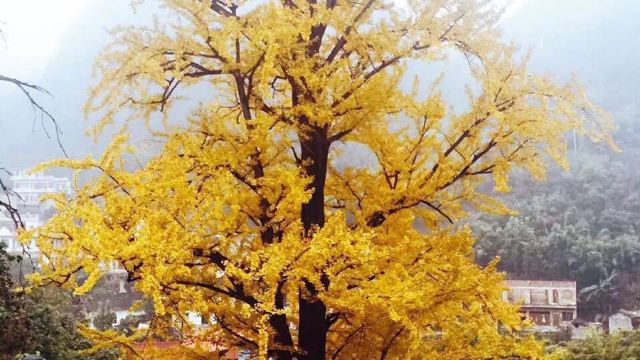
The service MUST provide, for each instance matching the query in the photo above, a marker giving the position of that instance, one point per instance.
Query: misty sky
(54, 43)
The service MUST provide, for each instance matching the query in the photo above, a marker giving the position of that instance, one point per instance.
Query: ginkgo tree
(255, 214)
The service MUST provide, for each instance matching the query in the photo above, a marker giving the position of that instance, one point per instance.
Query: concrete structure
(551, 305)
(623, 320)
(619, 322)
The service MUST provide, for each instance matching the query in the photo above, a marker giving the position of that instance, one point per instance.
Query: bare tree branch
(26, 89)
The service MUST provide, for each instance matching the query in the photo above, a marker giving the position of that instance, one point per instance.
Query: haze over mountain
(570, 36)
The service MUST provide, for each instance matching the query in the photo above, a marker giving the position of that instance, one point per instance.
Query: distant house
(551, 305)
(623, 320)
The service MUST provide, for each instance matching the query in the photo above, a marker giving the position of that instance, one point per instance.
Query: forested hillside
(580, 225)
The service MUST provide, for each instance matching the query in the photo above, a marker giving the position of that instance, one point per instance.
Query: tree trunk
(314, 155)
(279, 324)
(312, 332)
(313, 325)
(282, 337)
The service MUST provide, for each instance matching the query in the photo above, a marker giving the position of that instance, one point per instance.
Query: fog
(64, 69)
(597, 40)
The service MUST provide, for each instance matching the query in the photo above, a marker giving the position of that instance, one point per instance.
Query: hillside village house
(551, 305)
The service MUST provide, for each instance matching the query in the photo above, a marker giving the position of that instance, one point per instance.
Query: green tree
(44, 321)
(621, 346)
(15, 324)
(104, 320)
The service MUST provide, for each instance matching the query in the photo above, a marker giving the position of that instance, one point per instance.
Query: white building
(29, 189)
(8, 232)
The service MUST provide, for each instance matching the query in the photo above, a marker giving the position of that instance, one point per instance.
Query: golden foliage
(225, 219)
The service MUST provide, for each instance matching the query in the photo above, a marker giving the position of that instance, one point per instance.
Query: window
(567, 315)
(539, 297)
(540, 317)
(516, 296)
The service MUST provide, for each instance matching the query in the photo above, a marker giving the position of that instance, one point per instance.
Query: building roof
(630, 313)
(542, 283)
(33, 357)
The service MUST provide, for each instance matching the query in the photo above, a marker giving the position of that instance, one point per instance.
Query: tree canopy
(255, 214)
